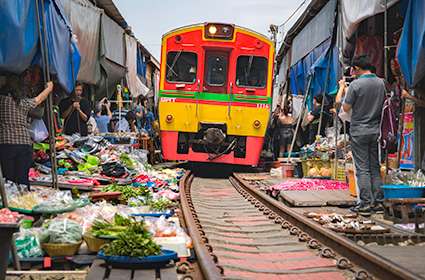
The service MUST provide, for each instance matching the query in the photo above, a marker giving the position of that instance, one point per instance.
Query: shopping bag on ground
(38, 131)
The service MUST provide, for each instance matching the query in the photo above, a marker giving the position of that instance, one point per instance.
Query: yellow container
(351, 181)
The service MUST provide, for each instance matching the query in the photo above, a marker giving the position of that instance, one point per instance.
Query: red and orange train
(215, 93)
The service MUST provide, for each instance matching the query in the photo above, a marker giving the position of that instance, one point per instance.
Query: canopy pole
(386, 65)
(46, 74)
(300, 117)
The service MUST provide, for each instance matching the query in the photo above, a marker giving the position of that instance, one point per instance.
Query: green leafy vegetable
(161, 204)
(127, 192)
(135, 241)
(112, 229)
(127, 161)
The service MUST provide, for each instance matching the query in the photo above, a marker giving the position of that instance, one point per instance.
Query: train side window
(181, 67)
(251, 71)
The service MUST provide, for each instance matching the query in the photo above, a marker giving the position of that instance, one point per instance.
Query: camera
(347, 76)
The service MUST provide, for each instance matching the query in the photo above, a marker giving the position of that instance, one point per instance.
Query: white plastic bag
(38, 131)
(345, 116)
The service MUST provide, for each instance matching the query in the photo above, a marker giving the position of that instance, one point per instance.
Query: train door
(216, 72)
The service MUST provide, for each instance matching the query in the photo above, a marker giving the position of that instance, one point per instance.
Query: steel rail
(360, 256)
(209, 268)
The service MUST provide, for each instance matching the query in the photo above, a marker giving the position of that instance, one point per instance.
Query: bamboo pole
(300, 117)
(46, 74)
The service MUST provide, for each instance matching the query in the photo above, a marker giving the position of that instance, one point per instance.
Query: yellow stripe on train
(186, 117)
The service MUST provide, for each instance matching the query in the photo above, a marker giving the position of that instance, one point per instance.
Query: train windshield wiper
(248, 70)
(174, 63)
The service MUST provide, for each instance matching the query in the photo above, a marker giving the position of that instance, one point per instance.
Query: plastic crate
(402, 191)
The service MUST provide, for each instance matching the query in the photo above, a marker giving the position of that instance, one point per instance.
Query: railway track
(240, 232)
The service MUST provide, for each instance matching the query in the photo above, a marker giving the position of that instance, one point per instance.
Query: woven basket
(58, 249)
(93, 243)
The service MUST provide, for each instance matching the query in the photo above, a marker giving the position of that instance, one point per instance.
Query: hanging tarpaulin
(141, 64)
(300, 72)
(112, 41)
(64, 57)
(133, 81)
(19, 37)
(318, 30)
(354, 12)
(411, 51)
(85, 21)
(326, 73)
(112, 54)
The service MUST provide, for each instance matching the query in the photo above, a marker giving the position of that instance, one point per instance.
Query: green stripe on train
(220, 97)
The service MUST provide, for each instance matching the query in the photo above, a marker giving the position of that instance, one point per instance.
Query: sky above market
(150, 19)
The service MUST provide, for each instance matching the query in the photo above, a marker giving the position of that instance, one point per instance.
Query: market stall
(113, 196)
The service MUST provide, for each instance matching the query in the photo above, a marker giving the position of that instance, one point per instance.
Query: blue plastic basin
(402, 191)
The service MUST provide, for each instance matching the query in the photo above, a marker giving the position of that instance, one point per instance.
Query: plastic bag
(38, 131)
(62, 231)
(27, 244)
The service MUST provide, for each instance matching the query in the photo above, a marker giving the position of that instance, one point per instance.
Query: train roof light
(219, 31)
(212, 30)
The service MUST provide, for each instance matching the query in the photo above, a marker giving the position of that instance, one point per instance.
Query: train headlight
(219, 31)
(257, 124)
(169, 118)
(212, 30)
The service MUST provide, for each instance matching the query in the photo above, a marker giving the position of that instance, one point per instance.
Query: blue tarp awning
(19, 40)
(411, 52)
(141, 64)
(316, 63)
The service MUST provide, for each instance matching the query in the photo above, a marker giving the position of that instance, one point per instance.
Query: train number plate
(168, 99)
(263, 106)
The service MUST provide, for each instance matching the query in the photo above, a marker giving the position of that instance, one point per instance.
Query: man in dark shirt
(75, 110)
(365, 97)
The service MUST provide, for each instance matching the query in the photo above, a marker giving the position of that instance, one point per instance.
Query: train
(215, 93)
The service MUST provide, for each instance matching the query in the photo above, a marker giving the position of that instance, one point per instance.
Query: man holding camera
(103, 115)
(365, 97)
